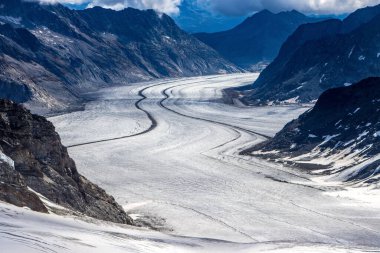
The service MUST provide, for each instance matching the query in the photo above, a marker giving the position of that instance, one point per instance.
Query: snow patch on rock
(5, 159)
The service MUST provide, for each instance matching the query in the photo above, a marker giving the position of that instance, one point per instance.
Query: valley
(141, 126)
(168, 151)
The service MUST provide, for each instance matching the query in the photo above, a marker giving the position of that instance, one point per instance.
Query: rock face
(341, 131)
(14, 190)
(320, 56)
(50, 55)
(33, 156)
(258, 39)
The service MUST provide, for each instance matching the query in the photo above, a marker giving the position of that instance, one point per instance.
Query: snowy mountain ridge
(319, 56)
(51, 55)
(340, 136)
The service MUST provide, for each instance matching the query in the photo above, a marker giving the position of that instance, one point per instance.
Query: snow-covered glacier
(168, 151)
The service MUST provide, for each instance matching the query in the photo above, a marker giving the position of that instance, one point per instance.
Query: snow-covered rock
(339, 135)
(52, 54)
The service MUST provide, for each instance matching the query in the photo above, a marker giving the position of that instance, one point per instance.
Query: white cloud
(166, 6)
(240, 7)
(59, 1)
(232, 7)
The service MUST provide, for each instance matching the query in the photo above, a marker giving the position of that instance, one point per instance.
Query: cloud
(166, 6)
(59, 1)
(243, 7)
(230, 7)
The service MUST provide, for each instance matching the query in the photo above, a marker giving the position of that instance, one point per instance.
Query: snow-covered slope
(51, 54)
(180, 171)
(22, 230)
(320, 56)
(339, 136)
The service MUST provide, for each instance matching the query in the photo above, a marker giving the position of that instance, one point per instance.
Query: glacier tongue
(176, 166)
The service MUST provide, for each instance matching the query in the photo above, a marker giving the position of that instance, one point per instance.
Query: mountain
(35, 169)
(340, 135)
(194, 19)
(258, 39)
(50, 54)
(320, 56)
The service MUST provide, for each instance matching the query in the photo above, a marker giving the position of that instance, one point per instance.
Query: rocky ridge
(319, 56)
(51, 55)
(35, 166)
(254, 43)
(340, 135)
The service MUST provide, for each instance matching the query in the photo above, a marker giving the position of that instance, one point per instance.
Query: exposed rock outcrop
(14, 190)
(321, 56)
(341, 131)
(52, 54)
(34, 157)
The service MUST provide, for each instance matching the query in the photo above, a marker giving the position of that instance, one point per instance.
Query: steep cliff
(33, 161)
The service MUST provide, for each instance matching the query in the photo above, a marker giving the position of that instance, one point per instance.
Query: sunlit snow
(168, 151)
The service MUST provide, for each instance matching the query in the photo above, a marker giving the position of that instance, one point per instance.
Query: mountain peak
(292, 14)
(295, 12)
(267, 14)
(338, 52)
(263, 12)
(257, 40)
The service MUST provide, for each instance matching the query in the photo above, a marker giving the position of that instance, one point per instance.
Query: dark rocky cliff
(40, 162)
(341, 131)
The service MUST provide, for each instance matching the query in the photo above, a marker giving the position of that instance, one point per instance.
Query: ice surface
(186, 170)
(22, 230)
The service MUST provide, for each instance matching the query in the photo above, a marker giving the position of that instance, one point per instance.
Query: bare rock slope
(320, 56)
(50, 55)
(33, 160)
(342, 131)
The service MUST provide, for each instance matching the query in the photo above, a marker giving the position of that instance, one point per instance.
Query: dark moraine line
(232, 127)
(137, 105)
(164, 93)
(154, 121)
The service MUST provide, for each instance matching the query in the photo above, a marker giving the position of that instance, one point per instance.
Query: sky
(230, 7)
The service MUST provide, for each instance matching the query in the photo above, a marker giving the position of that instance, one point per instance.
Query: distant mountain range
(50, 54)
(256, 42)
(320, 56)
(340, 136)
